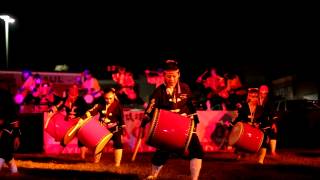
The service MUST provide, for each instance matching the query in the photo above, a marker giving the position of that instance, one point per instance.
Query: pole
(7, 43)
(7, 19)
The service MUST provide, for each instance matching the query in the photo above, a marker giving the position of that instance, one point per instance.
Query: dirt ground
(290, 164)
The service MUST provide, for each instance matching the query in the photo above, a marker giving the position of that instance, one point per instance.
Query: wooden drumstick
(79, 124)
(192, 114)
(48, 119)
(137, 146)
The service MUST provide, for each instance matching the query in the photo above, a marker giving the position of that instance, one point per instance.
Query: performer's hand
(111, 125)
(256, 125)
(16, 143)
(145, 120)
(124, 131)
(141, 132)
(52, 109)
(184, 114)
(274, 128)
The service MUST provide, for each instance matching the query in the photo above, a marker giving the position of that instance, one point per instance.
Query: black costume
(179, 101)
(9, 125)
(259, 120)
(111, 116)
(73, 110)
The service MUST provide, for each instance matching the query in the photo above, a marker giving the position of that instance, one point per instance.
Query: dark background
(264, 42)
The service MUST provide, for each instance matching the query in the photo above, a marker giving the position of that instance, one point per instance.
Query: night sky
(144, 37)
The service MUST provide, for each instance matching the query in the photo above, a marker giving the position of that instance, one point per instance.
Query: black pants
(116, 139)
(6, 146)
(194, 151)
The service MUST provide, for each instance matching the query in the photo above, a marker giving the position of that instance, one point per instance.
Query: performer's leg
(118, 146)
(273, 139)
(273, 145)
(262, 155)
(83, 150)
(97, 157)
(13, 166)
(159, 158)
(196, 155)
(195, 167)
(1, 163)
(61, 147)
(117, 157)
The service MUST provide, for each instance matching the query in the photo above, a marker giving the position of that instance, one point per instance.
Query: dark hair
(253, 90)
(171, 65)
(86, 72)
(109, 89)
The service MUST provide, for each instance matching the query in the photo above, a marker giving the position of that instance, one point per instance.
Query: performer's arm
(92, 112)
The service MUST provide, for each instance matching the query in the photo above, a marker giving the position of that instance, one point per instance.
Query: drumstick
(137, 146)
(79, 124)
(192, 114)
(48, 119)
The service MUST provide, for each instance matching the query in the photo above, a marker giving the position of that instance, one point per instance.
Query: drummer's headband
(171, 65)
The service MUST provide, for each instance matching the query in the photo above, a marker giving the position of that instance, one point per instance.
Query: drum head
(235, 133)
(218, 136)
(70, 134)
(74, 130)
(102, 143)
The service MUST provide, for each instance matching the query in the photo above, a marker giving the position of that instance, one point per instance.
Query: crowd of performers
(88, 110)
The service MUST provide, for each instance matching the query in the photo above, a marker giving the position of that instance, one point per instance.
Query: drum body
(246, 137)
(57, 126)
(220, 135)
(170, 131)
(94, 135)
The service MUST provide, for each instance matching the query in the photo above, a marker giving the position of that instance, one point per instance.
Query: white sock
(13, 167)
(1, 163)
(156, 170)
(195, 167)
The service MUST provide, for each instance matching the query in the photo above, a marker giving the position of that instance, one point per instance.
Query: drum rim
(102, 143)
(190, 130)
(239, 135)
(242, 130)
(74, 129)
(153, 126)
(54, 132)
(67, 138)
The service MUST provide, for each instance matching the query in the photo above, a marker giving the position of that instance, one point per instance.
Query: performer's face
(109, 97)
(171, 77)
(263, 94)
(74, 90)
(45, 89)
(253, 98)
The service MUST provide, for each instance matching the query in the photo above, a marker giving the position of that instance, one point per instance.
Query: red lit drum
(246, 137)
(94, 135)
(170, 131)
(57, 125)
